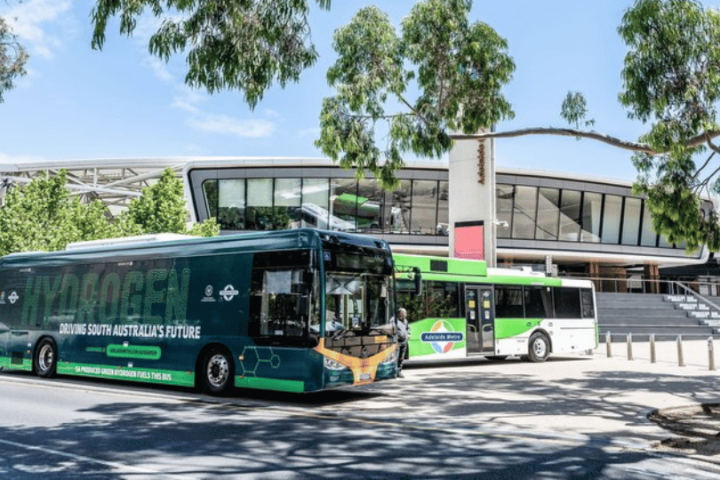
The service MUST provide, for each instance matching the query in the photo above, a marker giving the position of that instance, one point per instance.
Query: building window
(548, 214)
(524, 212)
(210, 192)
(570, 207)
(315, 196)
(631, 221)
(424, 207)
(343, 204)
(504, 198)
(259, 212)
(370, 202)
(648, 237)
(592, 206)
(288, 198)
(401, 199)
(443, 211)
(231, 204)
(611, 219)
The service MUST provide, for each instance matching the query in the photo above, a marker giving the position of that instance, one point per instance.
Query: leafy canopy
(672, 83)
(12, 59)
(441, 73)
(43, 215)
(230, 44)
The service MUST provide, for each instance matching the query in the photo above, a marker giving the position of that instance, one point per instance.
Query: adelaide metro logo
(228, 293)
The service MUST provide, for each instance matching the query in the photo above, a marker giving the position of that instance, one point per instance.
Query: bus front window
(358, 303)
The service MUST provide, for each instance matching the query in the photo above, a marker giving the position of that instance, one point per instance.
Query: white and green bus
(460, 308)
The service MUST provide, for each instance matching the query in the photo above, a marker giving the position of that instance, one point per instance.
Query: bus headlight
(392, 358)
(331, 364)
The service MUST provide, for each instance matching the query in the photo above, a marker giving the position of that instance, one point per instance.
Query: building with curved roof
(582, 225)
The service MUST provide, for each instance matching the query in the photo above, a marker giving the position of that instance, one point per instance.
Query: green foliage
(230, 44)
(672, 82)
(44, 216)
(12, 59)
(574, 110)
(458, 69)
(161, 209)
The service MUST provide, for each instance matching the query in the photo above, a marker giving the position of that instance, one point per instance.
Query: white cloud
(159, 69)
(308, 132)
(29, 19)
(223, 124)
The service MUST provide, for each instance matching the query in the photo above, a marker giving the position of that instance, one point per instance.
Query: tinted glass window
(570, 215)
(631, 221)
(538, 302)
(567, 302)
(508, 302)
(592, 208)
(548, 214)
(648, 237)
(443, 215)
(504, 194)
(400, 210)
(611, 219)
(424, 207)
(588, 307)
(524, 212)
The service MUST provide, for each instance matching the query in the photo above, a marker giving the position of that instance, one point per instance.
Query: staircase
(665, 316)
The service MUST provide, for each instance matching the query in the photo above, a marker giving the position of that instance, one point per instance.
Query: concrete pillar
(472, 191)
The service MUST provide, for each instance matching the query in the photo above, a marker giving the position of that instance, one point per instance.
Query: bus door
(480, 318)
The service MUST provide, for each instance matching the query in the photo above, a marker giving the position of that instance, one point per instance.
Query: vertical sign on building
(469, 240)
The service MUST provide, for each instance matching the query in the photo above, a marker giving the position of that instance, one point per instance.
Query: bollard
(711, 354)
(652, 348)
(681, 361)
(629, 346)
(609, 345)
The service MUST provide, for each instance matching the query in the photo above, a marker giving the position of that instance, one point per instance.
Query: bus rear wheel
(217, 371)
(45, 361)
(539, 348)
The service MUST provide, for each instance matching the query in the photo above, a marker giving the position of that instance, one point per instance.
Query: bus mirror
(417, 278)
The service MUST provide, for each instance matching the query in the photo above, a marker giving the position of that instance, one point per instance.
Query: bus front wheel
(217, 371)
(45, 361)
(539, 348)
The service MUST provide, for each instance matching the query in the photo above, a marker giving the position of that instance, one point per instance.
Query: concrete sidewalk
(587, 397)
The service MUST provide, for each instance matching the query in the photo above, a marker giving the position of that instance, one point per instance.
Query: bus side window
(508, 302)
(588, 308)
(567, 302)
(538, 302)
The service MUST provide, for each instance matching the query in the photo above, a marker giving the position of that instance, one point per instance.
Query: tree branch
(571, 132)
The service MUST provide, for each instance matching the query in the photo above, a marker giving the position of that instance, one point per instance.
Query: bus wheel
(539, 348)
(45, 358)
(217, 371)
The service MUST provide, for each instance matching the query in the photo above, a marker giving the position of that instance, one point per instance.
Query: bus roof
(225, 244)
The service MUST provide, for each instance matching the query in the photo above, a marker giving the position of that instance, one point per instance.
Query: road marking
(83, 458)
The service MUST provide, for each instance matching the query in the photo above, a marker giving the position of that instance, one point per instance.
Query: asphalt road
(437, 423)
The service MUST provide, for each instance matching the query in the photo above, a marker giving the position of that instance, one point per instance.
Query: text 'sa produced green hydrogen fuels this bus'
(465, 309)
(297, 310)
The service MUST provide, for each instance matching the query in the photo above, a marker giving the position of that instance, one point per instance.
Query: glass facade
(539, 213)
(419, 207)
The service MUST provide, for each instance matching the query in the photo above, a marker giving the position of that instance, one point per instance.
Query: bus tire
(45, 360)
(217, 371)
(539, 348)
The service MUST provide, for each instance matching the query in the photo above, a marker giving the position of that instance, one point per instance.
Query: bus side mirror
(417, 278)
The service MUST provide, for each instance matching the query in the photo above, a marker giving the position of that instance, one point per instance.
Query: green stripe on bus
(7, 362)
(148, 375)
(295, 386)
(512, 327)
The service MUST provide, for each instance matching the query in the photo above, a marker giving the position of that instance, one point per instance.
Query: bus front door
(480, 318)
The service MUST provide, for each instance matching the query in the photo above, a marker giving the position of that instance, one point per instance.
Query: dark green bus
(296, 310)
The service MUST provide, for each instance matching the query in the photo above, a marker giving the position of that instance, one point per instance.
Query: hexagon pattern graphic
(253, 357)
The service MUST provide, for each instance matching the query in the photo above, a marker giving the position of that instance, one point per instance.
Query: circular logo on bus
(442, 337)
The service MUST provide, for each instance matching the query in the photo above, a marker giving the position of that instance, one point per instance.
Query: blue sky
(77, 103)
